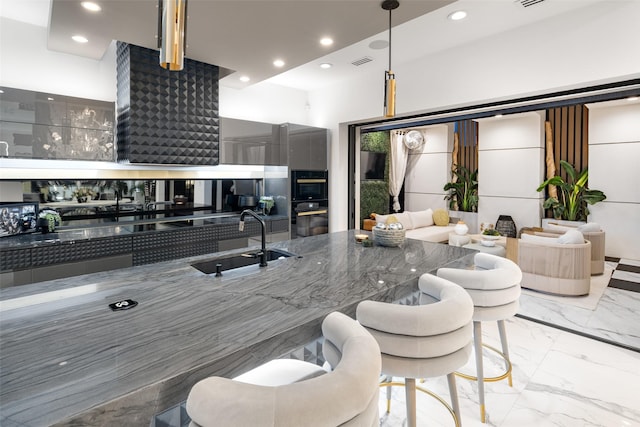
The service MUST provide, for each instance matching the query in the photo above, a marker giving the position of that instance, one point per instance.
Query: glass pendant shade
(172, 34)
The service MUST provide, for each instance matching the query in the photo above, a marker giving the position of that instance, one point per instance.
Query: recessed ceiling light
(498, 116)
(632, 98)
(1, 91)
(49, 98)
(80, 39)
(244, 78)
(457, 15)
(278, 63)
(89, 5)
(326, 41)
(326, 65)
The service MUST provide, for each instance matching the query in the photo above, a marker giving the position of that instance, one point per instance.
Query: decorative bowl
(488, 243)
(388, 238)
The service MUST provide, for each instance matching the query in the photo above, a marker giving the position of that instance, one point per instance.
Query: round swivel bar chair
(494, 287)
(423, 341)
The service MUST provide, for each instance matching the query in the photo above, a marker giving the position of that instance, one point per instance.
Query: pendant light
(172, 26)
(389, 76)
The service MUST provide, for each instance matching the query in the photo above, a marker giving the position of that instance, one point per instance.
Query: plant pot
(43, 225)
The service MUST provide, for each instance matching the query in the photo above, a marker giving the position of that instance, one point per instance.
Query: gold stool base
(424, 390)
(506, 374)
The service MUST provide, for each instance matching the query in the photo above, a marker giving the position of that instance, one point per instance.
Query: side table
(495, 250)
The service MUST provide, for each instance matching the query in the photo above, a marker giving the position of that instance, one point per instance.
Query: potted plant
(463, 191)
(48, 220)
(83, 194)
(573, 194)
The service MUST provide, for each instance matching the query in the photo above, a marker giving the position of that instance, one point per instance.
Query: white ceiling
(245, 36)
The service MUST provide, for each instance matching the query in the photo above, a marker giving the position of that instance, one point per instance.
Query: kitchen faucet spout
(263, 225)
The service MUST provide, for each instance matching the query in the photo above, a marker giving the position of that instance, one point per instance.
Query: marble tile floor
(614, 319)
(560, 379)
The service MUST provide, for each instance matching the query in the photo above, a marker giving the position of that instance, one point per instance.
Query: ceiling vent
(527, 3)
(362, 61)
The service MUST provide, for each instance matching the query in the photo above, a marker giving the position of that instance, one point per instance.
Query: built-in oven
(309, 185)
(309, 203)
(309, 219)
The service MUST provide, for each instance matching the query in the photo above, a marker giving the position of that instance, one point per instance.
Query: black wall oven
(309, 203)
(309, 185)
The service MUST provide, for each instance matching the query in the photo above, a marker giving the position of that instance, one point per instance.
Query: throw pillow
(589, 227)
(543, 240)
(421, 218)
(571, 237)
(558, 227)
(440, 217)
(381, 218)
(405, 220)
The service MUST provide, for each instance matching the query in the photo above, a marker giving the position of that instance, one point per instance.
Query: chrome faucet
(263, 252)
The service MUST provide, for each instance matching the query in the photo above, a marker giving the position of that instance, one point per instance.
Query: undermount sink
(240, 260)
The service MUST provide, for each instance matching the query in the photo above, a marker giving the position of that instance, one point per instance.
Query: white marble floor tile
(560, 379)
(626, 275)
(630, 262)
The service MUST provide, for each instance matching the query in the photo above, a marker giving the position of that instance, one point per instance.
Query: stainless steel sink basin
(219, 265)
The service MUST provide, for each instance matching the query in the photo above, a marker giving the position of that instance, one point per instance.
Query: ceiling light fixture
(632, 98)
(79, 39)
(278, 63)
(325, 65)
(389, 76)
(326, 41)
(244, 79)
(91, 6)
(172, 29)
(457, 15)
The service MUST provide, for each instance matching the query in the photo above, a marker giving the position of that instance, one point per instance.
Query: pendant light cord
(390, 39)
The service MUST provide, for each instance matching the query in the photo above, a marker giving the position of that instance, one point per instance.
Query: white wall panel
(621, 223)
(437, 139)
(420, 201)
(515, 131)
(427, 173)
(615, 170)
(510, 173)
(610, 124)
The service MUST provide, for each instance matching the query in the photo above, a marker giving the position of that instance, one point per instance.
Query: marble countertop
(67, 359)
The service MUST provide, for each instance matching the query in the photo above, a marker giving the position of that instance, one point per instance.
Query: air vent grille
(362, 61)
(527, 3)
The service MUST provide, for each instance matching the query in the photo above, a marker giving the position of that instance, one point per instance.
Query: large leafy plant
(573, 194)
(463, 191)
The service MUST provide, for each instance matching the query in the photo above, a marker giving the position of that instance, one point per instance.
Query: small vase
(461, 228)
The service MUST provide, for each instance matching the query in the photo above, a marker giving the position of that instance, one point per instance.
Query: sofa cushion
(421, 218)
(571, 237)
(440, 217)
(558, 227)
(431, 234)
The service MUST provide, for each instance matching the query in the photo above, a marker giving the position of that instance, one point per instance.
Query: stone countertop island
(67, 359)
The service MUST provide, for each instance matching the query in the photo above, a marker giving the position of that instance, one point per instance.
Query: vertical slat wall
(468, 144)
(570, 127)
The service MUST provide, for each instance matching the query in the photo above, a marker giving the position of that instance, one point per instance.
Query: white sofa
(419, 225)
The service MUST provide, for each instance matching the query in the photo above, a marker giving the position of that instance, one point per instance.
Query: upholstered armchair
(591, 232)
(554, 264)
(346, 396)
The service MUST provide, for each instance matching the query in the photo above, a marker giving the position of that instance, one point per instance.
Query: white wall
(510, 168)
(614, 152)
(593, 46)
(429, 169)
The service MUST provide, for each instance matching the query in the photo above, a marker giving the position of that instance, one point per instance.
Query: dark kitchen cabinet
(245, 142)
(307, 147)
